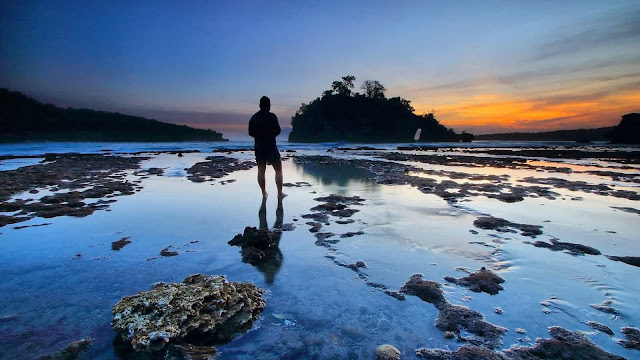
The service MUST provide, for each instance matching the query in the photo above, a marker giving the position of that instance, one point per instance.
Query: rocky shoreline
(194, 318)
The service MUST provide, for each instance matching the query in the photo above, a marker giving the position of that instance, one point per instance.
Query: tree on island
(341, 115)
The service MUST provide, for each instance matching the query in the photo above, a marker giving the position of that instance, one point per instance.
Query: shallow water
(315, 309)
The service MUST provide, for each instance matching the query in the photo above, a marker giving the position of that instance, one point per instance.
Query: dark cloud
(523, 77)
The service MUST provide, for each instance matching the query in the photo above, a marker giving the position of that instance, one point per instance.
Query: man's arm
(276, 126)
(252, 126)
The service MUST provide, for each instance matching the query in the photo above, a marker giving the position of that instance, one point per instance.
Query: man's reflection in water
(270, 264)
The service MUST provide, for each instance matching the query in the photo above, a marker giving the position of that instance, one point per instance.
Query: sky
(482, 66)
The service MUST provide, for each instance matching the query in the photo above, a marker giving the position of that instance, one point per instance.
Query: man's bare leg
(262, 167)
(278, 168)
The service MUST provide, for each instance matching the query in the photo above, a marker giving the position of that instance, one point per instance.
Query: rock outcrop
(454, 318)
(191, 316)
(481, 281)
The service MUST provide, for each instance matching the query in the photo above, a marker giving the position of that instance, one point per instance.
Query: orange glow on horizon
(491, 113)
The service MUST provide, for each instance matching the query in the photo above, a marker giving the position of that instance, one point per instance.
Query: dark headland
(626, 132)
(343, 115)
(25, 119)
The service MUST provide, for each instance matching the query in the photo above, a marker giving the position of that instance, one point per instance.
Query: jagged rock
(396, 294)
(600, 327)
(429, 291)
(216, 167)
(167, 252)
(605, 307)
(253, 237)
(297, 184)
(387, 352)
(71, 352)
(482, 280)
(260, 249)
(117, 245)
(352, 234)
(288, 227)
(454, 318)
(502, 225)
(633, 338)
(573, 249)
(631, 260)
(339, 199)
(315, 227)
(318, 217)
(564, 344)
(200, 311)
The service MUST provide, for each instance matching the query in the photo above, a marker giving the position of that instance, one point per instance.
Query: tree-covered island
(343, 115)
(25, 119)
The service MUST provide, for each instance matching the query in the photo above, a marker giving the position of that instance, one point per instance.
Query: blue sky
(490, 66)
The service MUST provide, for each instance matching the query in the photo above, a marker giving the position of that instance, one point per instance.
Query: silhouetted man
(264, 128)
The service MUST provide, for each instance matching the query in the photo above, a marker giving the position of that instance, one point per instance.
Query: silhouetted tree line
(342, 115)
(579, 135)
(25, 119)
(628, 131)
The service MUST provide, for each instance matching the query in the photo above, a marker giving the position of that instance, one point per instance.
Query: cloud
(615, 28)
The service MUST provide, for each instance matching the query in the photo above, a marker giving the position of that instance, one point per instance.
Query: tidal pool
(61, 280)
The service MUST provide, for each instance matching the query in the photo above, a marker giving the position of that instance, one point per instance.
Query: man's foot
(281, 195)
(265, 194)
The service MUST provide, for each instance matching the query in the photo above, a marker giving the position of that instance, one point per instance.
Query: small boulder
(387, 352)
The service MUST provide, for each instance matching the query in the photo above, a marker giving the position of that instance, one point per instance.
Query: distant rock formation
(25, 119)
(628, 131)
(341, 115)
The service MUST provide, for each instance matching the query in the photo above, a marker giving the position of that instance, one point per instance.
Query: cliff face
(628, 131)
(364, 119)
(25, 119)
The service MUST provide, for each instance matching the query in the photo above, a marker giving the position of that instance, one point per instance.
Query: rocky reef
(75, 181)
(71, 352)
(481, 281)
(564, 344)
(187, 317)
(454, 318)
(216, 167)
(502, 225)
(633, 338)
(573, 249)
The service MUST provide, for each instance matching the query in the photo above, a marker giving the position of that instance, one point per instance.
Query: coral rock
(202, 311)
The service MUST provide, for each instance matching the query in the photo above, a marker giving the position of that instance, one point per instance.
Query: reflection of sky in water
(315, 308)
(12, 164)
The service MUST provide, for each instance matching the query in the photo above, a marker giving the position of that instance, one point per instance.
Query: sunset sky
(483, 66)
